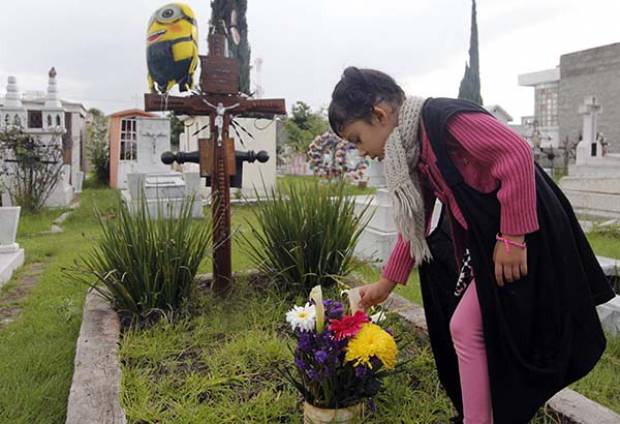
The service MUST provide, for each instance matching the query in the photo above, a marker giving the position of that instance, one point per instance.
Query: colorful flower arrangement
(330, 156)
(341, 358)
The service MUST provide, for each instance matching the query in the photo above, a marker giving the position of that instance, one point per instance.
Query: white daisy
(302, 317)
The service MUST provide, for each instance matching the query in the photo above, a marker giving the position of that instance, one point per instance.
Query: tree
(98, 147)
(31, 168)
(229, 17)
(303, 126)
(470, 84)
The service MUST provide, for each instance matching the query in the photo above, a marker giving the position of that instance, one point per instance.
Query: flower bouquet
(340, 359)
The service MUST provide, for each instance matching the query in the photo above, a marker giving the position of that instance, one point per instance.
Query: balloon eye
(169, 14)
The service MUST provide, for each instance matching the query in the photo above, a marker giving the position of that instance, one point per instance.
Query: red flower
(348, 326)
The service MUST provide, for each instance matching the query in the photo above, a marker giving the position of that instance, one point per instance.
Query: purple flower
(372, 406)
(300, 364)
(305, 341)
(313, 375)
(361, 371)
(320, 356)
(333, 309)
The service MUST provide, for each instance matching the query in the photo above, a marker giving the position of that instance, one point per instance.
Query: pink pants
(468, 340)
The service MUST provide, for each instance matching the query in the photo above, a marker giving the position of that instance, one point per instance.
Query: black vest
(542, 332)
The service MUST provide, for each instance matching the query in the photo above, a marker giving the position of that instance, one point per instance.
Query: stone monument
(164, 190)
(593, 183)
(11, 255)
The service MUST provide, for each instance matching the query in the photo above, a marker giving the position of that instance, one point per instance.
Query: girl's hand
(375, 293)
(509, 266)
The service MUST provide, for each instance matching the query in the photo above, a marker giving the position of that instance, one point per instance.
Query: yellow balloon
(172, 48)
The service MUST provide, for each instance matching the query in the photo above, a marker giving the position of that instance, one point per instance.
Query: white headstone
(589, 146)
(153, 140)
(375, 174)
(135, 184)
(192, 183)
(9, 218)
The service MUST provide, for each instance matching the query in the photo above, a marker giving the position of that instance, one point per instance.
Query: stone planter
(9, 219)
(314, 415)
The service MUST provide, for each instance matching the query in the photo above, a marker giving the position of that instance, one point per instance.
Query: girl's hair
(356, 94)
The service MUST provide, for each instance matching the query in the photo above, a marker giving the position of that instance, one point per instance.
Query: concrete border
(94, 396)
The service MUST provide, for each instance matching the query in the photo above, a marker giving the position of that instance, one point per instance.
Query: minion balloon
(172, 48)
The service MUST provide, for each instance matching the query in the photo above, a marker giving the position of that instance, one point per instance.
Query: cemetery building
(137, 140)
(559, 92)
(52, 120)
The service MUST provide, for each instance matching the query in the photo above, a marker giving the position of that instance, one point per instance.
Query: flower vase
(362, 184)
(314, 415)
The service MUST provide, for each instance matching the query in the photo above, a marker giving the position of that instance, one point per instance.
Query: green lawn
(37, 350)
(204, 366)
(217, 367)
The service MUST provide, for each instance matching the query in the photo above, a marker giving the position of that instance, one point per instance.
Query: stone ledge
(579, 409)
(94, 395)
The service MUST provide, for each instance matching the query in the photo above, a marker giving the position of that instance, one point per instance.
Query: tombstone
(375, 174)
(589, 147)
(11, 255)
(379, 237)
(165, 193)
(593, 183)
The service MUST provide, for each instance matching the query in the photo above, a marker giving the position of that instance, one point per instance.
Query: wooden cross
(221, 101)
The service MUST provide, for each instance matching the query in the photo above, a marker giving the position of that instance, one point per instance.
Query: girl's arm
(509, 159)
(400, 263)
(396, 271)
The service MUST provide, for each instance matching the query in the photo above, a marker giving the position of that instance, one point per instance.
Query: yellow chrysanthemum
(372, 340)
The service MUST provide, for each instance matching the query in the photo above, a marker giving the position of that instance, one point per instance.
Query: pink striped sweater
(489, 155)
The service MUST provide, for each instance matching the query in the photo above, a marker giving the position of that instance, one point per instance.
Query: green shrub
(145, 266)
(304, 234)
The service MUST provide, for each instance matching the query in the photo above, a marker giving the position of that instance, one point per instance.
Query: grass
(37, 349)
(218, 367)
(605, 243)
(353, 190)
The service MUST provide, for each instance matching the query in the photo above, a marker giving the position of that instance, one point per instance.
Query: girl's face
(370, 136)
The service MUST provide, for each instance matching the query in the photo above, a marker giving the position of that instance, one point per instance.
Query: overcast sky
(98, 47)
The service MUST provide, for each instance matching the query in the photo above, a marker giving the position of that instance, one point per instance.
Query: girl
(518, 322)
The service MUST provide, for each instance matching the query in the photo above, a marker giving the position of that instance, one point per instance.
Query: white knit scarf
(402, 152)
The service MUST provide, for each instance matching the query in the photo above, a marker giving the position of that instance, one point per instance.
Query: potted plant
(340, 359)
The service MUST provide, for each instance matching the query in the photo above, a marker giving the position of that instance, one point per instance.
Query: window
(35, 119)
(129, 147)
(547, 105)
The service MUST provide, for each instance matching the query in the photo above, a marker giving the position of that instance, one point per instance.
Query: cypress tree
(470, 84)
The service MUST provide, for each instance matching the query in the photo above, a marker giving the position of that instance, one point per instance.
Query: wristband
(508, 243)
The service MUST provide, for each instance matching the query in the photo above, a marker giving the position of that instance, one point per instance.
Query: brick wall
(591, 72)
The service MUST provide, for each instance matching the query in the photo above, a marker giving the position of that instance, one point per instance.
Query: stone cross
(220, 99)
(589, 146)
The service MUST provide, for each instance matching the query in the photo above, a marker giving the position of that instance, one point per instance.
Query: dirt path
(10, 301)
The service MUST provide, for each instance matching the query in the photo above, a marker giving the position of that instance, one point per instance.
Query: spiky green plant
(145, 265)
(304, 234)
